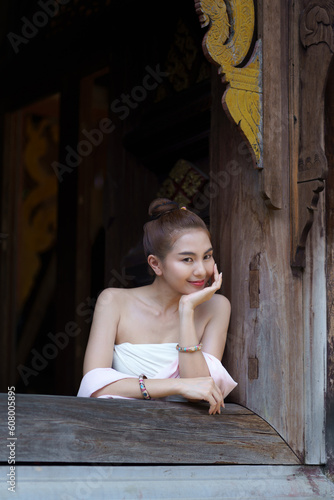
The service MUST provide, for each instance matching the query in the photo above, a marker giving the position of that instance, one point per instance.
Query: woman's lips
(197, 283)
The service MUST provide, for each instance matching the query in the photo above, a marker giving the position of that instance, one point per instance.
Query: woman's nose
(200, 270)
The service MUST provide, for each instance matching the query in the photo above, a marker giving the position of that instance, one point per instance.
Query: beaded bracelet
(143, 388)
(189, 349)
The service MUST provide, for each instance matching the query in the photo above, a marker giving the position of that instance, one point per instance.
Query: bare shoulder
(111, 299)
(109, 295)
(217, 309)
(217, 323)
(112, 296)
(218, 306)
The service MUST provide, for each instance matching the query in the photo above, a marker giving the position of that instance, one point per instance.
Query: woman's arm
(190, 364)
(200, 389)
(214, 337)
(100, 347)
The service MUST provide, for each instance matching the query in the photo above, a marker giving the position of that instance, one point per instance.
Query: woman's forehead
(192, 239)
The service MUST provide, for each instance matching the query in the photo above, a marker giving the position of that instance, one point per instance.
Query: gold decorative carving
(184, 181)
(39, 204)
(227, 43)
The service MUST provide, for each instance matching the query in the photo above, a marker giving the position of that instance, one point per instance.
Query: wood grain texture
(312, 54)
(60, 429)
(273, 27)
(247, 236)
(169, 482)
(329, 127)
(254, 290)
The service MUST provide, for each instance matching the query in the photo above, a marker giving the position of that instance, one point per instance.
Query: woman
(166, 338)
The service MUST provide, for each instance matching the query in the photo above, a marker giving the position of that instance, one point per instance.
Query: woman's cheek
(180, 269)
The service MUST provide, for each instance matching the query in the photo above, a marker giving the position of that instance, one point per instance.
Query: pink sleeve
(219, 374)
(98, 378)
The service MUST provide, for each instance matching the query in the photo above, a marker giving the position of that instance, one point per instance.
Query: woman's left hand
(192, 300)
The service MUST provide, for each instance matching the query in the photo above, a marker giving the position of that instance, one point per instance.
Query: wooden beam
(58, 429)
(181, 481)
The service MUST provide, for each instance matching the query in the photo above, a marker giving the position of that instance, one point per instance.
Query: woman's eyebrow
(193, 253)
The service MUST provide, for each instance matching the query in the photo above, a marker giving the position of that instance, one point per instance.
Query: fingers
(218, 277)
(203, 388)
(215, 407)
(216, 280)
(215, 273)
(215, 400)
(218, 283)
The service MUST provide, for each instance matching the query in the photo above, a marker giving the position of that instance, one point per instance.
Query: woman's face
(189, 265)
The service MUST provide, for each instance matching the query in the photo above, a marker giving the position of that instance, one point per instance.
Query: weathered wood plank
(329, 127)
(60, 429)
(166, 482)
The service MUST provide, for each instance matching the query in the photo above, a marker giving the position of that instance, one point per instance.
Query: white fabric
(148, 359)
(158, 361)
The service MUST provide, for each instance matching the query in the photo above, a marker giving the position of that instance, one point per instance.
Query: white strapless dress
(148, 359)
(158, 361)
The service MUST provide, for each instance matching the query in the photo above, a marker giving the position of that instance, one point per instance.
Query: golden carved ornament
(39, 204)
(227, 44)
(184, 181)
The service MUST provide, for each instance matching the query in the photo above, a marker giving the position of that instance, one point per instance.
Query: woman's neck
(161, 294)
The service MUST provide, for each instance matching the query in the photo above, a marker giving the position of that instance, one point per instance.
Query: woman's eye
(187, 259)
(207, 257)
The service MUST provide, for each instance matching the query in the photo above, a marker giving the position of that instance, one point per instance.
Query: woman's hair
(167, 221)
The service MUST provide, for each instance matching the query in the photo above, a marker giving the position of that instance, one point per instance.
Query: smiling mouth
(197, 283)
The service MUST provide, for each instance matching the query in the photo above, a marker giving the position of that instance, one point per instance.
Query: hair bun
(161, 205)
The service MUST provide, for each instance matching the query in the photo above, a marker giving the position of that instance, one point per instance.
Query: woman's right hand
(202, 388)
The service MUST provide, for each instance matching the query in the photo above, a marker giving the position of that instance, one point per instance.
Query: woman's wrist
(185, 308)
(178, 386)
(164, 387)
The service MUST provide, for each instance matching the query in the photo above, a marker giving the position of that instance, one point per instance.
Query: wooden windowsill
(70, 430)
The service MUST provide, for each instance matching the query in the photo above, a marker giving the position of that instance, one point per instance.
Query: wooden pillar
(329, 102)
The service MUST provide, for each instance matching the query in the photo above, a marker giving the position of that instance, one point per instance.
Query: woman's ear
(155, 263)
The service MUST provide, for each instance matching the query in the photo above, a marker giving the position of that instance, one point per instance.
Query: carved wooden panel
(248, 66)
(314, 53)
(227, 44)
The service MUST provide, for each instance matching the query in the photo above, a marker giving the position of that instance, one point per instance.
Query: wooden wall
(277, 340)
(265, 342)
(329, 128)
